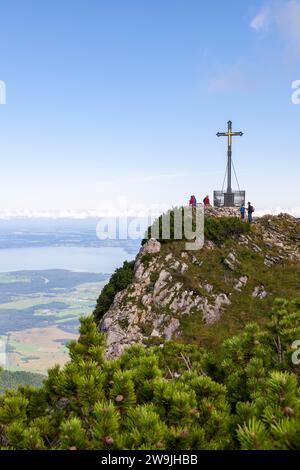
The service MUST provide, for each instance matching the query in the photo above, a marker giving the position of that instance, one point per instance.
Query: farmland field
(39, 314)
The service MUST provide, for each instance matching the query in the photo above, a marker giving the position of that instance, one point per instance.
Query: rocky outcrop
(135, 314)
(222, 212)
(231, 261)
(259, 292)
(171, 284)
(242, 282)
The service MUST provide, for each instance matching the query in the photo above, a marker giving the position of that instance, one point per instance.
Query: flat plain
(39, 314)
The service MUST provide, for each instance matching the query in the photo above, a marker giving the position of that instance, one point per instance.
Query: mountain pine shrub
(174, 397)
(121, 278)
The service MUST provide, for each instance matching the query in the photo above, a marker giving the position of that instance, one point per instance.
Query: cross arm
(237, 133)
(222, 134)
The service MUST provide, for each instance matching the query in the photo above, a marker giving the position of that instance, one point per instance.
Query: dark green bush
(165, 397)
(216, 229)
(121, 278)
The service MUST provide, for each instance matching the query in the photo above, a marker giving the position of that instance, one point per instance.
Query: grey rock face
(231, 261)
(259, 292)
(138, 308)
(151, 246)
(242, 282)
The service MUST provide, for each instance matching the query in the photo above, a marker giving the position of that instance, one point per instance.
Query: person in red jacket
(193, 201)
(206, 201)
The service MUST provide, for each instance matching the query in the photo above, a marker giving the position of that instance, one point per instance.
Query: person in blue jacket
(243, 211)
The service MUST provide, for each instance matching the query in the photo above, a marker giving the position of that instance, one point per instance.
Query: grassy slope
(280, 280)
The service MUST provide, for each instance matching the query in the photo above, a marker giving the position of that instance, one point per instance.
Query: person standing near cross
(250, 210)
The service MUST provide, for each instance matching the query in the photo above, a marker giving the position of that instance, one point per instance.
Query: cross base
(229, 199)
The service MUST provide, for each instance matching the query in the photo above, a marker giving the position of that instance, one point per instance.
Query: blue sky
(114, 105)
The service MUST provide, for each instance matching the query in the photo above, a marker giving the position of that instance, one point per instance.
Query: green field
(36, 322)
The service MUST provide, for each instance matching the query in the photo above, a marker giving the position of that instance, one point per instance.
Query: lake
(40, 311)
(89, 259)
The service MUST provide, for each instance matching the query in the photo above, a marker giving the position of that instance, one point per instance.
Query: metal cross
(229, 134)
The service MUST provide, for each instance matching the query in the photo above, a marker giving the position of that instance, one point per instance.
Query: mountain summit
(204, 296)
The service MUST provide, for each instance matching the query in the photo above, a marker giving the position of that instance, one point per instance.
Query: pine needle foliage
(176, 397)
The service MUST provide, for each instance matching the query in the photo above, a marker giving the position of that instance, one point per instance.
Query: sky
(113, 106)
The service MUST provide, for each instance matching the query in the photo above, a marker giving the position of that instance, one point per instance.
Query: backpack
(252, 209)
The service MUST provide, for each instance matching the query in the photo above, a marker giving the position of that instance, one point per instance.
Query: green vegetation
(121, 278)
(52, 300)
(216, 229)
(11, 380)
(220, 229)
(227, 385)
(147, 258)
(175, 397)
(280, 280)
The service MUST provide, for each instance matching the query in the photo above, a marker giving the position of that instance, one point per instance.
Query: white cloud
(294, 211)
(288, 22)
(262, 19)
(123, 209)
(281, 17)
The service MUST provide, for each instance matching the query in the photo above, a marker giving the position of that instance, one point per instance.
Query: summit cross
(229, 134)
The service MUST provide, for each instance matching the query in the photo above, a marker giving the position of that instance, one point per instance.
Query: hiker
(193, 201)
(243, 211)
(206, 201)
(250, 212)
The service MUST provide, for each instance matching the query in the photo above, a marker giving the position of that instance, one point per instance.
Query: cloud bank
(138, 211)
